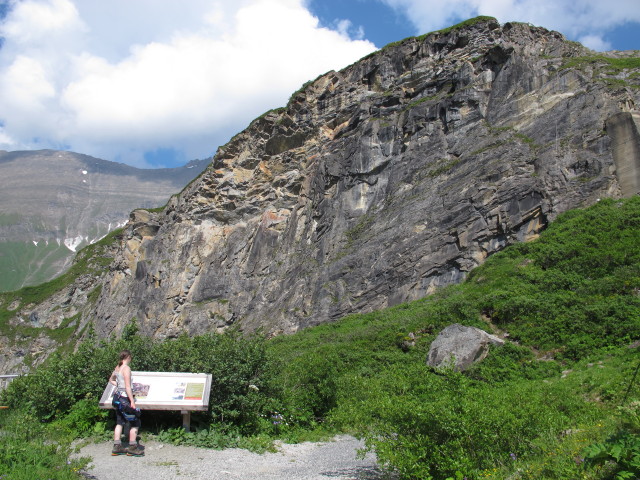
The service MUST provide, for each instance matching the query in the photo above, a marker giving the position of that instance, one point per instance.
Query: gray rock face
(626, 151)
(53, 203)
(458, 347)
(375, 185)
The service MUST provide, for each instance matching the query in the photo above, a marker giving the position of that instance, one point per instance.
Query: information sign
(166, 391)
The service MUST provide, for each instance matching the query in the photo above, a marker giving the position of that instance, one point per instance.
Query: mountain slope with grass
(53, 203)
(560, 400)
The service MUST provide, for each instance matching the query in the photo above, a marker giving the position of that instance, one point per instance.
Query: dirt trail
(335, 459)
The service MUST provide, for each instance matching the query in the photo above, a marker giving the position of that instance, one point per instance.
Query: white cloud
(33, 24)
(588, 19)
(595, 42)
(346, 28)
(115, 79)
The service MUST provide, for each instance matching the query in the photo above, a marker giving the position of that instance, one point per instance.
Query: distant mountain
(52, 203)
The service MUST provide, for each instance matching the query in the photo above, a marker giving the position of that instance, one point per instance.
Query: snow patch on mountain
(73, 243)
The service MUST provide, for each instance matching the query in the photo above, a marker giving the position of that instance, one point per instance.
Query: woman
(121, 378)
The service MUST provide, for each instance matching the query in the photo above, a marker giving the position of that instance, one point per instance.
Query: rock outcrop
(375, 185)
(458, 347)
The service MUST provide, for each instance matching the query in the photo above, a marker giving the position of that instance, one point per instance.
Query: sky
(157, 83)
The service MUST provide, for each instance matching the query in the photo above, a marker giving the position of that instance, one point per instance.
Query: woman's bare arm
(126, 373)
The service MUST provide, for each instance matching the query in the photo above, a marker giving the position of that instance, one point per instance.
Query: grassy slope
(90, 260)
(570, 303)
(26, 263)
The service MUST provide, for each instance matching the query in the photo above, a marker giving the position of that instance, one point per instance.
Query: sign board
(166, 391)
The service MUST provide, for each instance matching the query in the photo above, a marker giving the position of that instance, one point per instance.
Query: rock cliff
(378, 184)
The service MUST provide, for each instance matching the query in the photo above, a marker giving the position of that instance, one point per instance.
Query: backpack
(123, 405)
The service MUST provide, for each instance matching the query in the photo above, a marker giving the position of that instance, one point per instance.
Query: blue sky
(385, 21)
(156, 83)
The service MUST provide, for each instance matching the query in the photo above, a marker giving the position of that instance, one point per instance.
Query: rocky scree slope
(52, 203)
(376, 185)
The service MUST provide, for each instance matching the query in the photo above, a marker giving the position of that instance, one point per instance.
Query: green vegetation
(497, 131)
(621, 452)
(443, 166)
(39, 258)
(524, 139)
(304, 87)
(467, 23)
(614, 65)
(278, 110)
(559, 401)
(364, 222)
(24, 456)
(161, 209)
(444, 31)
(604, 68)
(66, 329)
(94, 294)
(7, 219)
(92, 259)
(422, 100)
(488, 147)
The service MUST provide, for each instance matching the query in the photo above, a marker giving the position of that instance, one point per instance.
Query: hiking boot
(118, 449)
(135, 451)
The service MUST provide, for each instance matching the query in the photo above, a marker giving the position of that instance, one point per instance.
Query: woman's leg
(117, 433)
(134, 448)
(133, 434)
(117, 443)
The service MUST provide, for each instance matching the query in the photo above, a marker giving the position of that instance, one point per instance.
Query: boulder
(459, 347)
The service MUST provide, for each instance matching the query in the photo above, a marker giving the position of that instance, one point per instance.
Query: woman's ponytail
(123, 354)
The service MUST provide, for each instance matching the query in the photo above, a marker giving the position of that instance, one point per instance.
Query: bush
(217, 439)
(84, 418)
(426, 426)
(235, 363)
(574, 289)
(25, 456)
(621, 452)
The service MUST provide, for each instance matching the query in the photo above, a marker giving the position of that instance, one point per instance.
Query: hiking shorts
(120, 420)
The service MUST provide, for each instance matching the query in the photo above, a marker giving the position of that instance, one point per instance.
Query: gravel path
(335, 459)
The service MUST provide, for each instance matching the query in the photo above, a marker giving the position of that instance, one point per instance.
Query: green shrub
(425, 426)
(218, 439)
(52, 390)
(573, 289)
(621, 452)
(25, 456)
(512, 362)
(84, 419)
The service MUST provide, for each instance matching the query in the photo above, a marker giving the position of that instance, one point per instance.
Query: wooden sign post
(185, 392)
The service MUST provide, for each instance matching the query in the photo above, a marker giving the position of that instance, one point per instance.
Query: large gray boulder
(459, 347)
